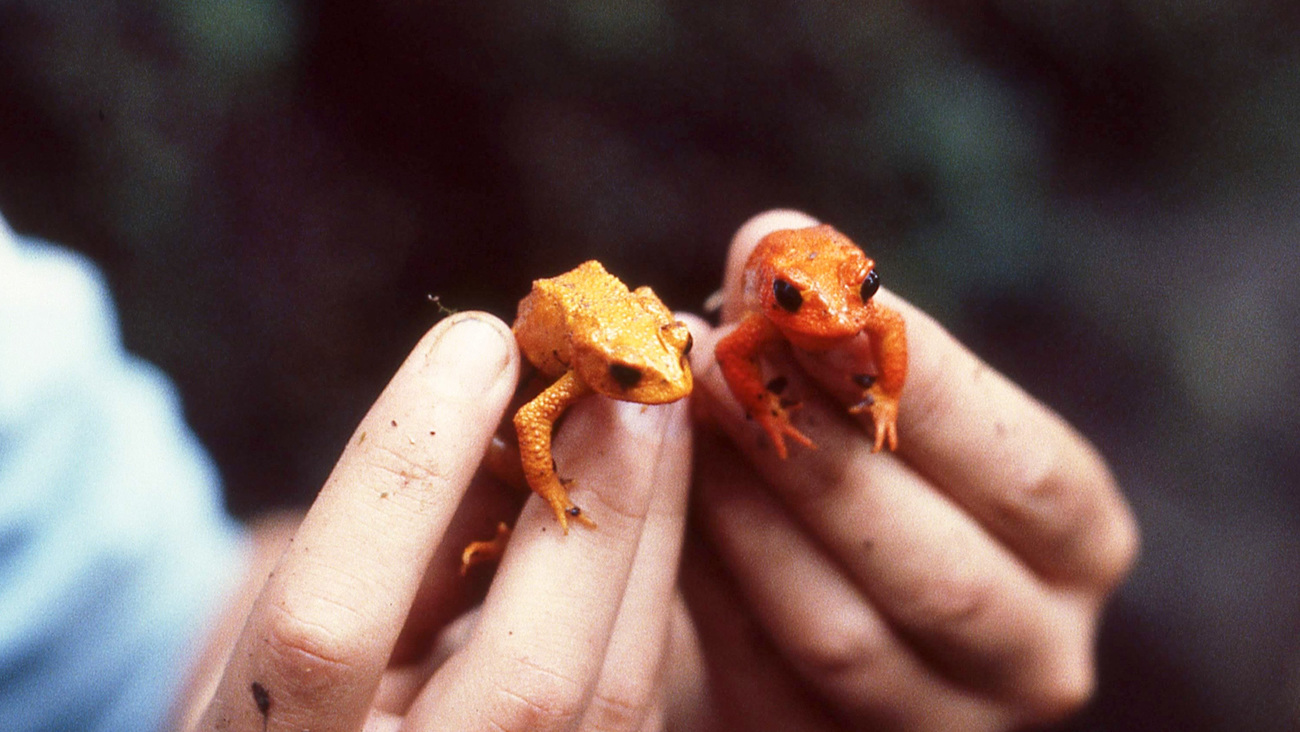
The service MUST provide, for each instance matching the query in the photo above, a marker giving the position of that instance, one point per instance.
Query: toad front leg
(881, 393)
(534, 423)
(737, 355)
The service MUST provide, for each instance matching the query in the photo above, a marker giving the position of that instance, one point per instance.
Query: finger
(540, 644)
(959, 597)
(445, 593)
(382, 722)
(324, 625)
(749, 684)
(817, 616)
(401, 685)
(630, 679)
(1029, 478)
(686, 702)
(1021, 470)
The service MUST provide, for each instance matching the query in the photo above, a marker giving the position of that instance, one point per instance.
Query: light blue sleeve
(115, 552)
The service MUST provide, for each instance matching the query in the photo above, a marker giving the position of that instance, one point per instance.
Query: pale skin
(954, 584)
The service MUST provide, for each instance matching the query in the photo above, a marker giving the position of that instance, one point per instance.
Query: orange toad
(813, 287)
(587, 331)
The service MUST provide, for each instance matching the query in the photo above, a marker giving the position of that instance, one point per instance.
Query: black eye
(870, 285)
(690, 343)
(787, 295)
(624, 375)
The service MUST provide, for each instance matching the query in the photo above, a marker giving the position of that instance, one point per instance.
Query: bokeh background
(1099, 197)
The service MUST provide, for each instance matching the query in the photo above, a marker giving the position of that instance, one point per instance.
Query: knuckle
(1071, 501)
(1119, 548)
(1106, 528)
(1060, 693)
(843, 649)
(1040, 495)
(624, 706)
(534, 698)
(1064, 677)
(1113, 528)
(406, 466)
(309, 658)
(950, 600)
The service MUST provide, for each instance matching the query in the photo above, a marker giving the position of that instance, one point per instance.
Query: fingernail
(473, 348)
(643, 420)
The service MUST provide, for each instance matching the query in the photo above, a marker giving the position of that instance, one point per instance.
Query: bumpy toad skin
(587, 331)
(813, 287)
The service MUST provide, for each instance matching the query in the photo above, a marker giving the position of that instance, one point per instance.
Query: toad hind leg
(484, 552)
(534, 423)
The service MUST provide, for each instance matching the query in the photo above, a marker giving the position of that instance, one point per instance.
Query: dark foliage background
(1099, 197)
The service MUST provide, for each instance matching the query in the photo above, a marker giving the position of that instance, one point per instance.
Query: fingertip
(472, 331)
(697, 325)
(467, 353)
(459, 318)
(747, 237)
(760, 225)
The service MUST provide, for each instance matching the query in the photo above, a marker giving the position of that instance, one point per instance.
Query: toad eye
(624, 375)
(870, 285)
(690, 343)
(787, 295)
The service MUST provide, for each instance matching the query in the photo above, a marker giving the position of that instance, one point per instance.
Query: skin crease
(954, 584)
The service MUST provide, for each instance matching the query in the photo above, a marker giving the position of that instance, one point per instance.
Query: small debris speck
(262, 698)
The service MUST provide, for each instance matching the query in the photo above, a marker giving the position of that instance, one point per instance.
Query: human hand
(954, 584)
(574, 629)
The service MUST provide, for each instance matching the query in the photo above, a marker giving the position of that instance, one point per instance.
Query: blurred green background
(1100, 198)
